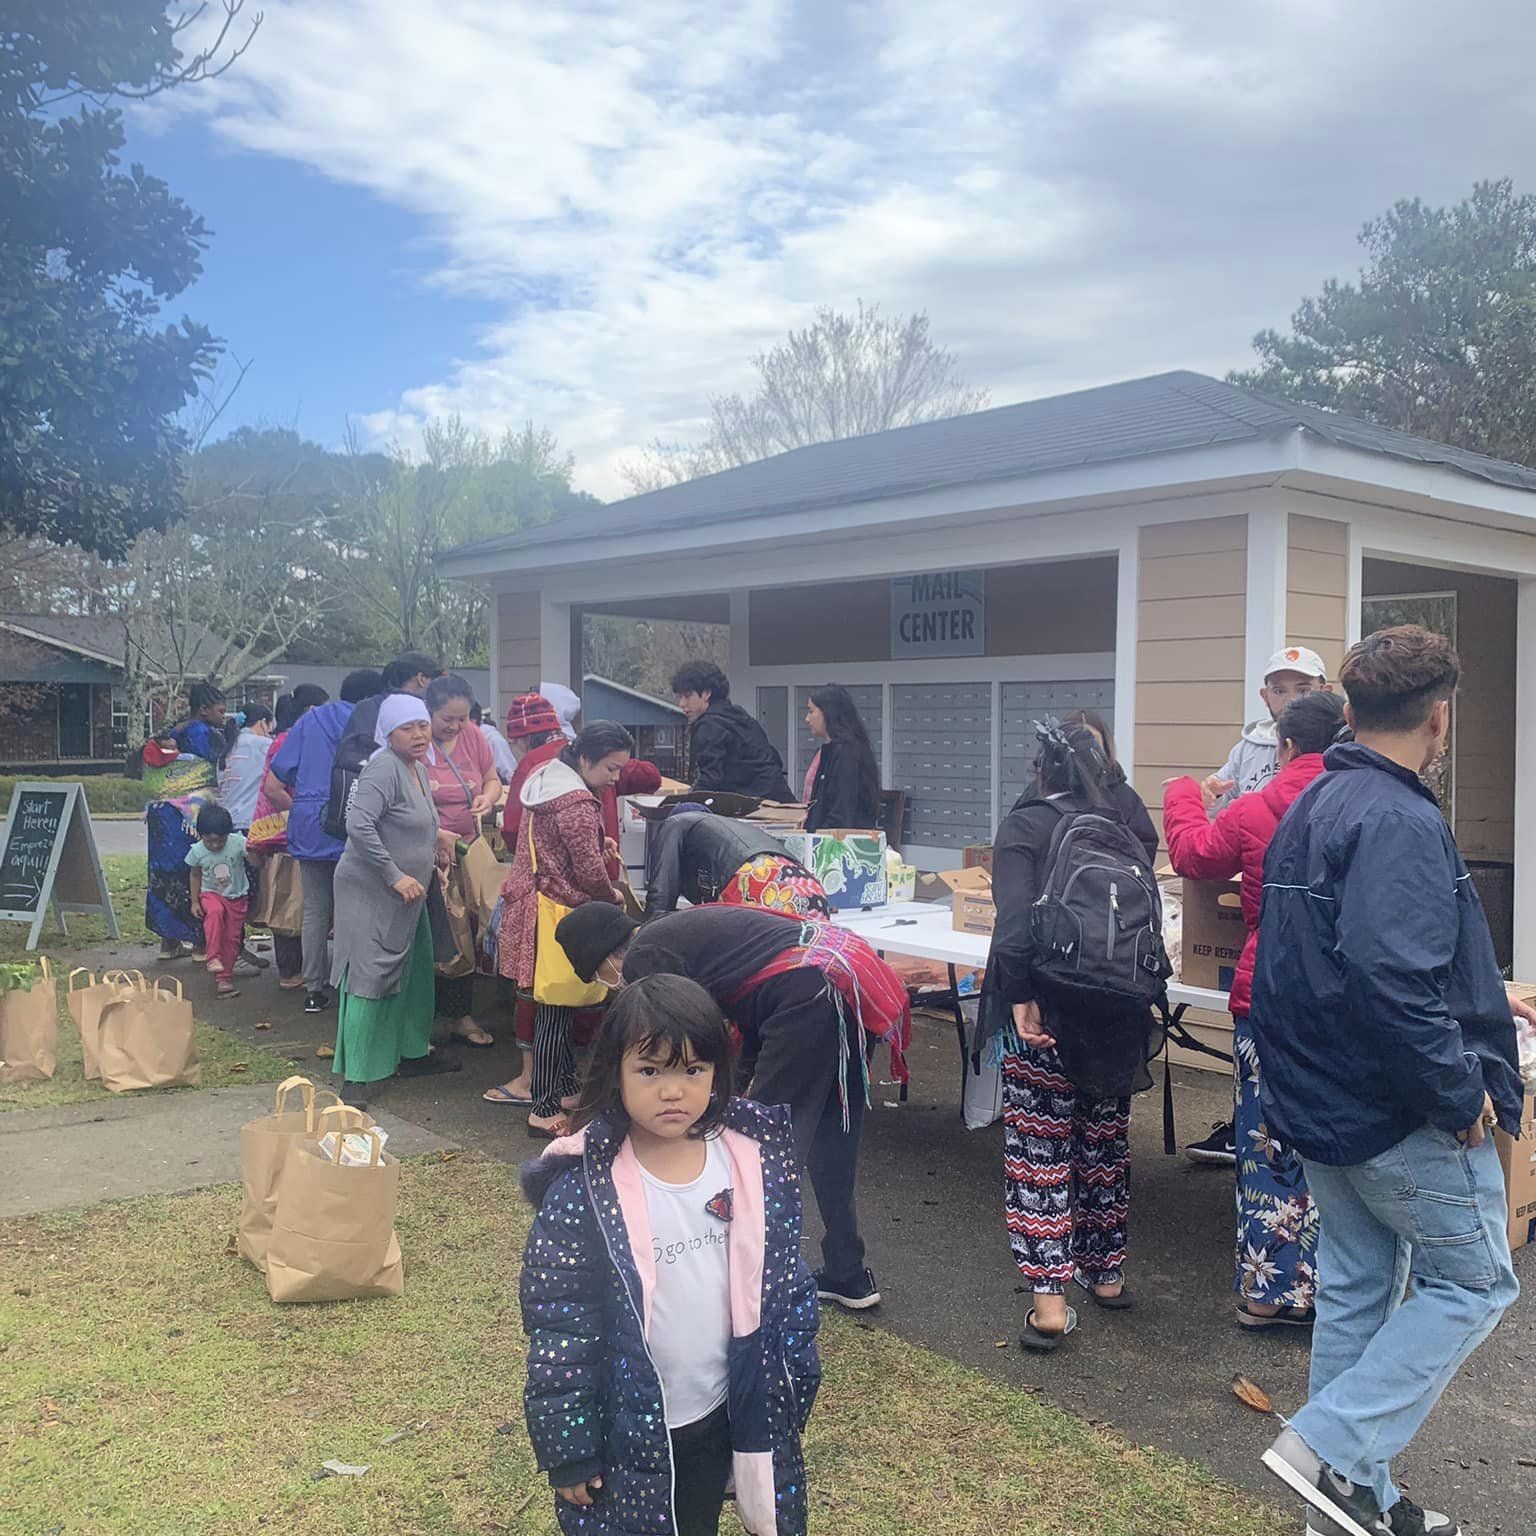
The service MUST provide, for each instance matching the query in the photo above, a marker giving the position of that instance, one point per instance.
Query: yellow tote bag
(554, 982)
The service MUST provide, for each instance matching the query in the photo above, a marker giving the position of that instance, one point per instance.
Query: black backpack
(1098, 921)
(352, 753)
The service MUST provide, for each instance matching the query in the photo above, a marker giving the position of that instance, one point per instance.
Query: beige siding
(1063, 607)
(517, 645)
(1485, 706)
(1317, 583)
(1189, 649)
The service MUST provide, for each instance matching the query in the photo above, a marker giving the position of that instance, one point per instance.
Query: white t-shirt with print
(690, 1331)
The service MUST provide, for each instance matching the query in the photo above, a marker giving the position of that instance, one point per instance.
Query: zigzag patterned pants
(1066, 1175)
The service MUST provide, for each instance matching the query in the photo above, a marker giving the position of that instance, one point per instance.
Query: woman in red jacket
(1276, 1276)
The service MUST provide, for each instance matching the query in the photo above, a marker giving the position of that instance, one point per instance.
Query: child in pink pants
(220, 891)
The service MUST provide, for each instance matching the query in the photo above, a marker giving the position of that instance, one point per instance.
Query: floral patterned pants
(1276, 1219)
(1066, 1175)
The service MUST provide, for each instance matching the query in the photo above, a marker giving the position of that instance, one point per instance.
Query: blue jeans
(1429, 1210)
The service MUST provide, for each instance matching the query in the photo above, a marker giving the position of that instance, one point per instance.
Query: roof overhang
(1294, 459)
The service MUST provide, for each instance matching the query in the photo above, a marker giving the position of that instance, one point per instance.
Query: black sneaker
(316, 1002)
(1351, 1508)
(1405, 1518)
(1219, 1147)
(855, 1294)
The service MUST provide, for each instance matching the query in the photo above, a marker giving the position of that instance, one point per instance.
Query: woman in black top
(1133, 810)
(846, 790)
(1068, 1073)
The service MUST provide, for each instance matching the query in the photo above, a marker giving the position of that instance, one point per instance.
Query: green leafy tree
(90, 383)
(395, 522)
(1438, 334)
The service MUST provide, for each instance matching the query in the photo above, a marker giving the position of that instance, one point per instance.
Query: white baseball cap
(1296, 658)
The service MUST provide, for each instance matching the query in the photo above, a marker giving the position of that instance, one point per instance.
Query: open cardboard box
(971, 901)
(1214, 933)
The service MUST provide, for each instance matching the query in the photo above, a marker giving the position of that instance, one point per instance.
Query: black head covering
(591, 933)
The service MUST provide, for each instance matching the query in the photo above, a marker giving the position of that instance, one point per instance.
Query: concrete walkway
(150, 1145)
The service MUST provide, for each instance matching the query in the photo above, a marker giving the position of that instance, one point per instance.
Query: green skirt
(374, 1034)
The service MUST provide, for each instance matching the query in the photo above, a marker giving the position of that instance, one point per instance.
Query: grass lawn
(105, 793)
(127, 876)
(149, 1387)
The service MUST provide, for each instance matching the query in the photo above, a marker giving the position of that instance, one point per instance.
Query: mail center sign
(942, 613)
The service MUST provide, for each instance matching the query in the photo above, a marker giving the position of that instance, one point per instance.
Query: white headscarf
(567, 706)
(400, 709)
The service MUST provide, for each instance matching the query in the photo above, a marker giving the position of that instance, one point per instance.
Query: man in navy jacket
(1388, 1054)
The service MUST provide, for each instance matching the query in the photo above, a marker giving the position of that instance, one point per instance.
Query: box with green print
(849, 862)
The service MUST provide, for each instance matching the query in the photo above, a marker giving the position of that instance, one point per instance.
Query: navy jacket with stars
(594, 1398)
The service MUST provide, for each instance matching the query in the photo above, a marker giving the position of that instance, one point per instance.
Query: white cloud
(656, 189)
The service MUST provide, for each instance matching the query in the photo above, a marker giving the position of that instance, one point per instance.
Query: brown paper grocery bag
(280, 895)
(264, 1148)
(145, 1040)
(484, 874)
(461, 924)
(333, 1233)
(85, 1003)
(29, 1024)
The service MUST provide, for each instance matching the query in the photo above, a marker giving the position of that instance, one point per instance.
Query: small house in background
(660, 729)
(63, 693)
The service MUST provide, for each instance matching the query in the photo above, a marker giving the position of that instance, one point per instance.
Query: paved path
(931, 1205)
(116, 836)
(154, 1144)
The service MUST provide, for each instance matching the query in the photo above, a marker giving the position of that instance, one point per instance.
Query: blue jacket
(593, 1398)
(1377, 1003)
(303, 763)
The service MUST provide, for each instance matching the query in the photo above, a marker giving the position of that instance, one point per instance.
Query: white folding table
(925, 931)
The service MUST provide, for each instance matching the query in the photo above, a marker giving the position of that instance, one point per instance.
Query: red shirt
(470, 754)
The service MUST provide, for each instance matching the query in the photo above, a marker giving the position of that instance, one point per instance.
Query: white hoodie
(550, 781)
(1252, 763)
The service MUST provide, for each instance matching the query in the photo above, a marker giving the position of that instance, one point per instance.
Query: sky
(592, 214)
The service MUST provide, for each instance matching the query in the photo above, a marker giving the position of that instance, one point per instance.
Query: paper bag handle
(288, 1084)
(169, 981)
(360, 1119)
(126, 979)
(80, 970)
(311, 1119)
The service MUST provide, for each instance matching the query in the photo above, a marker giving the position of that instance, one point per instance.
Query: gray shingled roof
(1161, 414)
(104, 636)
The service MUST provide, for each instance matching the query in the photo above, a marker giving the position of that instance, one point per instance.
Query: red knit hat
(530, 714)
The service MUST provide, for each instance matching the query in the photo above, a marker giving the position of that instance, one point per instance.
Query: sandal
(1121, 1301)
(1038, 1341)
(550, 1130)
(501, 1096)
(477, 1039)
(227, 992)
(430, 1065)
(1286, 1317)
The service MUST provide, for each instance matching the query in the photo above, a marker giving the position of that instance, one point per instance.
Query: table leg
(954, 998)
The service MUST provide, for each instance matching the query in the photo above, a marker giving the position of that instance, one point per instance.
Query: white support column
(556, 664)
(1127, 599)
(1268, 552)
(1525, 782)
(498, 694)
(739, 657)
(1354, 585)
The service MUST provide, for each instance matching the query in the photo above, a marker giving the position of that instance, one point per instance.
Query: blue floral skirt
(1276, 1219)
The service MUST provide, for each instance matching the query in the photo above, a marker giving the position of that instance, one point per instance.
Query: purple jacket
(303, 763)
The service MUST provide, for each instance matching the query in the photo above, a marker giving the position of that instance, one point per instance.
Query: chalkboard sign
(48, 860)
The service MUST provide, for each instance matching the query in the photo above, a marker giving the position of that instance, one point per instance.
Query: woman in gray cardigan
(383, 955)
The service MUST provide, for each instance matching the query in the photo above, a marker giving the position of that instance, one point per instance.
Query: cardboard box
(900, 883)
(1519, 1157)
(849, 862)
(1213, 933)
(1519, 1160)
(659, 807)
(971, 903)
(977, 856)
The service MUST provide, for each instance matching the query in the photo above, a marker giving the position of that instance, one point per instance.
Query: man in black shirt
(728, 749)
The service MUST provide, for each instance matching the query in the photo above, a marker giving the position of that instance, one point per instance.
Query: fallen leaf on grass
(406, 1433)
(445, 1156)
(1251, 1395)
(241, 1066)
(343, 1469)
(233, 1245)
(325, 1053)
